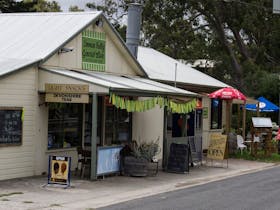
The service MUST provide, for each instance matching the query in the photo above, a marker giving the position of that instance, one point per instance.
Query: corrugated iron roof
(6, 64)
(30, 36)
(35, 36)
(161, 67)
(121, 83)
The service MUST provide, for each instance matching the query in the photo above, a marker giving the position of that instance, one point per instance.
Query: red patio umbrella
(228, 93)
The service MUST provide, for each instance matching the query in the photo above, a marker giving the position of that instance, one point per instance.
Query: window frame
(79, 127)
(219, 114)
(115, 124)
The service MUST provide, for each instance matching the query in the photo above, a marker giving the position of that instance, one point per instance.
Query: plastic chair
(256, 139)
(240, 143)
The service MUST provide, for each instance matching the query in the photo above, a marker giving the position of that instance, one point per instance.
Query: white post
(175, 74)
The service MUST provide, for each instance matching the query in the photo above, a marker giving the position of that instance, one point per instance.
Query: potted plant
(138, 161)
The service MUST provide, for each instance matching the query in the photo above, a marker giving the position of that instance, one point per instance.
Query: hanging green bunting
(144, 105)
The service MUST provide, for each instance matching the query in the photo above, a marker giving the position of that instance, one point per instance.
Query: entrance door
(198, 122)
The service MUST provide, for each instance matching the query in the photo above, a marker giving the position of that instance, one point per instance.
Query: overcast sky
(65, 4)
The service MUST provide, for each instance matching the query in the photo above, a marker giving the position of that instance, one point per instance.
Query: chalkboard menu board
(10, 126)
(178, 160)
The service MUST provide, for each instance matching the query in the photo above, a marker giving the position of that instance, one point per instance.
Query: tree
(29, 6)
(7, 6)
(75, 8)
(241, 36)
(114, 10)
(46, 6)
(168, 29)
(246, 32)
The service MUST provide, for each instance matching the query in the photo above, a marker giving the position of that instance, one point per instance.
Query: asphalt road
(256, 191)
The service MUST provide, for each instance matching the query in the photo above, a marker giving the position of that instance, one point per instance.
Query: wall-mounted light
(65, 50)
(99, 23)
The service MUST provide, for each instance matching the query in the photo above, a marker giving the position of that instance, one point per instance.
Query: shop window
(176, 125)
(216, 114)
(65, 125)
(11, 126)
(117, 125)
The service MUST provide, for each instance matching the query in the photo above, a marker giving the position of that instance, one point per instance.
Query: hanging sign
(59, 170)
(67, 93)
(205, 112)
(217, 147)
(93, 50)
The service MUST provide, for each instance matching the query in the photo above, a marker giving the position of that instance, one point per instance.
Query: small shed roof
(161, 67)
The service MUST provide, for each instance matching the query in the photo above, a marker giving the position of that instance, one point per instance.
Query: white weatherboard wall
(206, 104)
(117, 60)
(207, 131)
(19, 90)
(41, 151)
(148, 126)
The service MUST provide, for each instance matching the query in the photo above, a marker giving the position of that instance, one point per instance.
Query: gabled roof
(36, 35)
(161, 67)
(27, 38)
(8, 64)
(32, 37)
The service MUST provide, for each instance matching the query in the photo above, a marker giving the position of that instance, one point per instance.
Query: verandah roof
(123, 85)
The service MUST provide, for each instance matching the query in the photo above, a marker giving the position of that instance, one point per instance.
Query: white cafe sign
(67, 93)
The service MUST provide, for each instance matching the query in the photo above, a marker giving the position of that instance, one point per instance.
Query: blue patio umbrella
(264, 106)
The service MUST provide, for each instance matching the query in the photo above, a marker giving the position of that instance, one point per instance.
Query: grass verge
(260, 156)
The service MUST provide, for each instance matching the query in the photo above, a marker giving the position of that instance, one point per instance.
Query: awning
(264, 106)
(123, 85)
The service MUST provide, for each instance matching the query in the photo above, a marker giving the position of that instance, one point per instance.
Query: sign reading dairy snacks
(67, 93)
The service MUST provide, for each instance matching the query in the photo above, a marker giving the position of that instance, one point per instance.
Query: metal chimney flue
(133, 27)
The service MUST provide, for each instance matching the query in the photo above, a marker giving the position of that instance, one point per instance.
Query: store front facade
(82, 88)
(209, 117)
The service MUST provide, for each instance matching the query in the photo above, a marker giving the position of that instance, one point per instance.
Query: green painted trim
(93, 66)
(93, 171)
(164, 152)
(93, 50)
(94, 35)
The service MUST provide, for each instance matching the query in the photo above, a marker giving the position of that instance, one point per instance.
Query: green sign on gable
(93, 50)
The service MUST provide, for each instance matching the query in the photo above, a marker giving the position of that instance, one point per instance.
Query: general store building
(62, 78)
